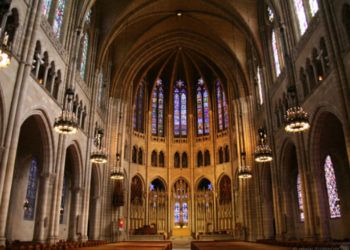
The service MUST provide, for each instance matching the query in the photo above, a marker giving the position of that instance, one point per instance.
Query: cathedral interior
(166, 119)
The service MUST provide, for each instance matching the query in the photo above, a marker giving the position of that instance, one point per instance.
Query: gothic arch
(200, 179)
(161, 180)
(30, 177)
(293, 227)
(328, 139)
(75, 152)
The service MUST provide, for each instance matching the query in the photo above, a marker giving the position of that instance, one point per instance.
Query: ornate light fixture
(5, 55)
(296, 119)
(66, 122)
(99, 156)
(244, 171)
(263, 152)
(116, 173)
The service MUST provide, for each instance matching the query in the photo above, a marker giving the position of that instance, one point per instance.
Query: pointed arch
(202, 105)
(158, 109)
(180, 109)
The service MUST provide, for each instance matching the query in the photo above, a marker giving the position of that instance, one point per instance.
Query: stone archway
(181, 208)
(71, 195)
(158, 205)
(293, 224)
(330, 165)
(27, 209)
(224, 204)
(204, 207)
(137, 203)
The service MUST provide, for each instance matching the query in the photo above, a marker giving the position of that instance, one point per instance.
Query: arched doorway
(330, 165)
(70, 197)
(137, 203)
(158, 205)
(94, 204)
(293, 207)
(181, 208)
(204, 207)
(224, 204)
(32, 160)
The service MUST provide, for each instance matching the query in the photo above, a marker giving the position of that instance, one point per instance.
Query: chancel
(177, 124)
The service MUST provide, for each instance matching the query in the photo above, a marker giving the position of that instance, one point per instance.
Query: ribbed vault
(134, 35)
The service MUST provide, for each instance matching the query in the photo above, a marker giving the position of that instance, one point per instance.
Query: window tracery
(180, 109)
(58, 20)
(300, 198)
(32, 187)
(222, 109)
(158, 109)
(138, 121)
(332, 191)
(202, 108)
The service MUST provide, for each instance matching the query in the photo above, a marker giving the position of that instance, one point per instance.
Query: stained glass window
(276, 54)
(177, 213)
(300, 198)
(332, 191)
(301, 16)
(58, 21)
(88, 17)
(180, 109)
(46, 8)
(158, 109)
(202, 109)
(63, 198)
(138, 110)
(313, 7)
(185, 212)
(32, 187)
(221, 107)
(270, 14)
(84, 55)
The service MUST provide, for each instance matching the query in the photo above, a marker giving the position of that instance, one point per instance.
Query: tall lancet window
(158, 109)
(84, 55)
(276, 53)
(202, 109)
(58, 21)
(222, 110)
(301, 15)
(332, 191)
(138, 123)
(300, 198)
(180, 109)
(46, 7)
(32, 187)
(313, 7)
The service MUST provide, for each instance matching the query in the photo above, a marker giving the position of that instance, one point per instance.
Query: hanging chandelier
(263, 152)
(99, 156)
(66, 122)
(117, 173)
(296, 119)
(5, 55)
(244, 171)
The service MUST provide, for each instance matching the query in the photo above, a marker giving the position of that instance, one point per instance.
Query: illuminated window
(301, 16)
(332, 191)
(84, 55)
(222, 110)
(32, 187)
(158, 109)
(180, 109)
(270, 14)
(177, 213)
(46, 8)
(202, 109)
(313, 7)
(300, 198)
(276, 54)
(260, 87)
(58, 21)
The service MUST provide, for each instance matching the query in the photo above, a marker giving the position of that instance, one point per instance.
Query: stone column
(42, 220)
(12, 132)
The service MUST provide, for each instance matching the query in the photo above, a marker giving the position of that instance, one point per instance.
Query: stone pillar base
(2, 241)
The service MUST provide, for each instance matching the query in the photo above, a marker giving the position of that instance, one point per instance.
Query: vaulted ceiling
(136, 34)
